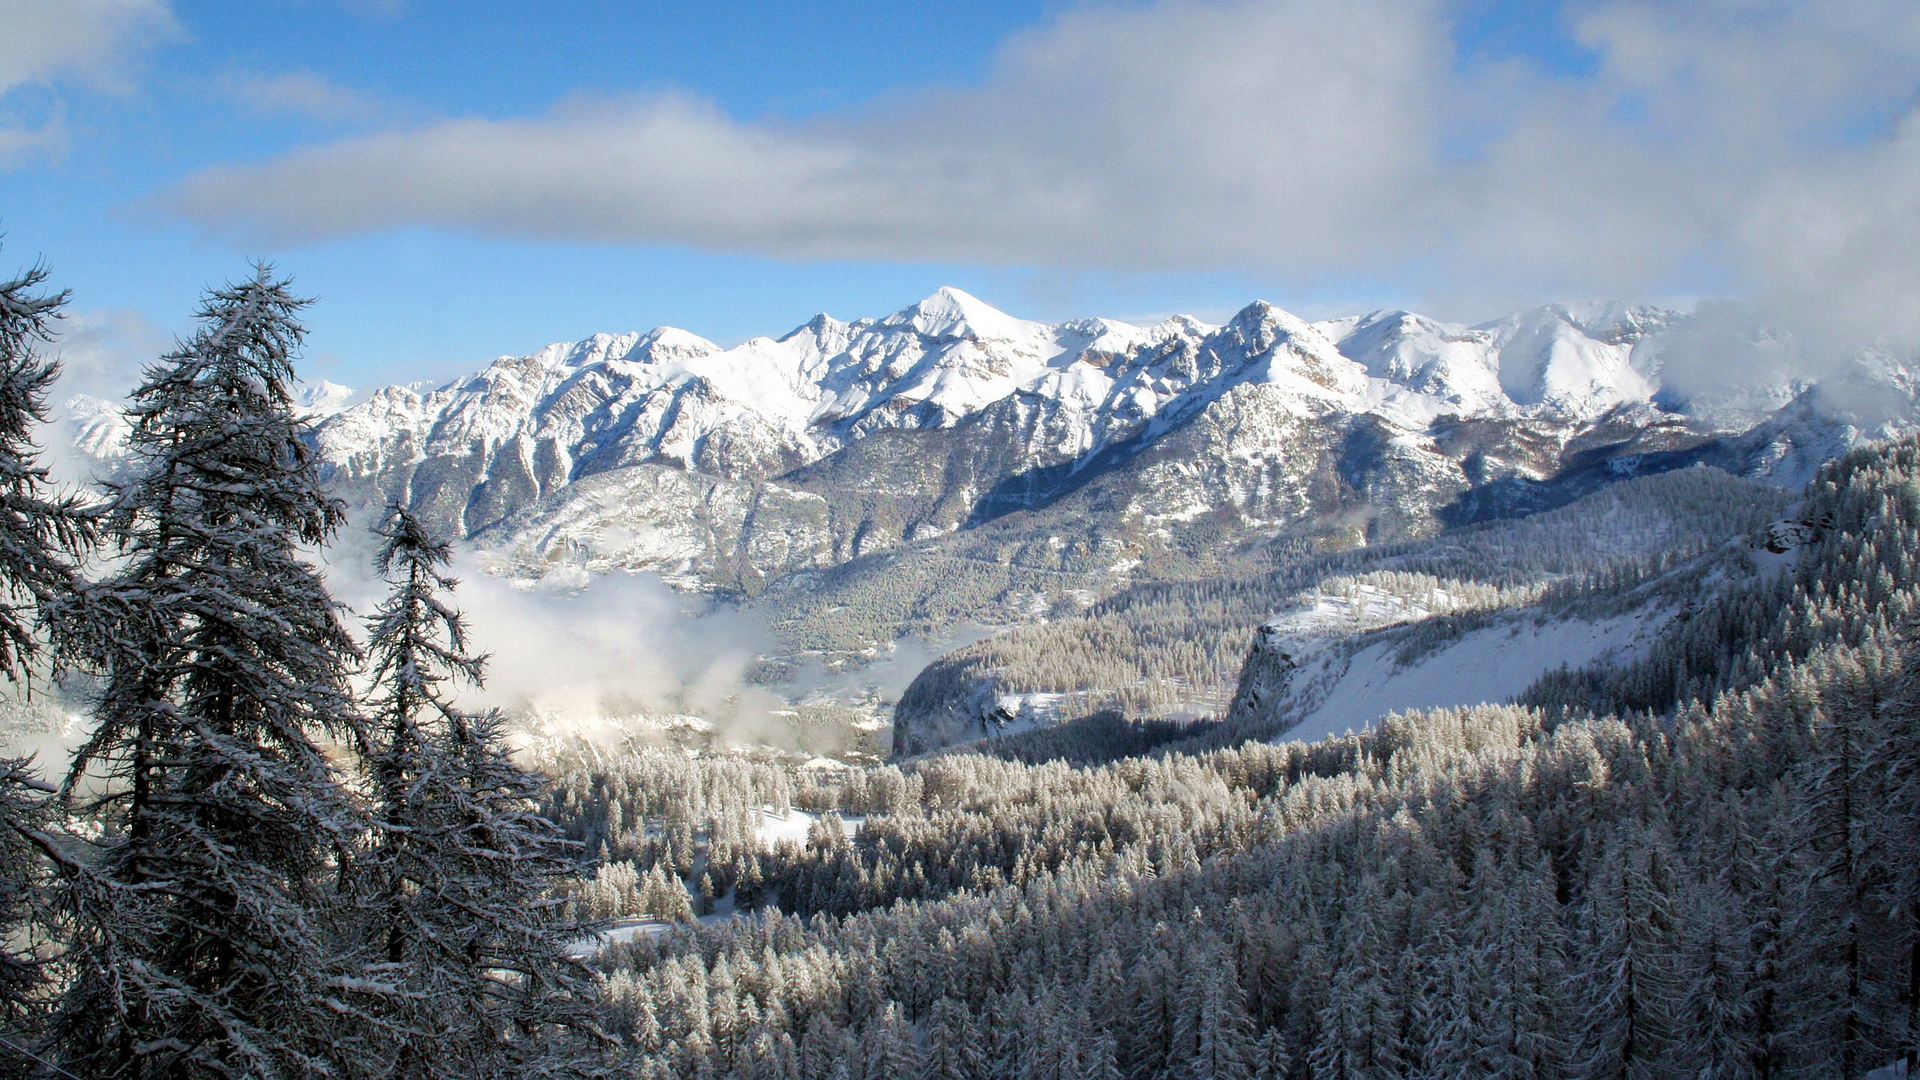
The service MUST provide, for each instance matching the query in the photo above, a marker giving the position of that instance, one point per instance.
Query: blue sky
(455, 181)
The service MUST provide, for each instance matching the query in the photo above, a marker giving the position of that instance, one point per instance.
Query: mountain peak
(953, 313)
(673, 343)
(1262, 325)
(322, 398)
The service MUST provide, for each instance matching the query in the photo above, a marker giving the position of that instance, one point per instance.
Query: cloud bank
(1764, 147)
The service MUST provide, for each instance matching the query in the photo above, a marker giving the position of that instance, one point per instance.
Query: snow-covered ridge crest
(786, 400)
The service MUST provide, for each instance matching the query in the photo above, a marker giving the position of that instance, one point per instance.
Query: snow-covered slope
(1333, 685)
(1340, 656)
(1334, 638)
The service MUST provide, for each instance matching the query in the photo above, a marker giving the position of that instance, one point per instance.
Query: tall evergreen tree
(1897, 755)
(472, 975)
(1836, 946)
(42, 536)
(23, 810)
(223, 666)
(953, 1043)
(1624, 980)
(42, 533)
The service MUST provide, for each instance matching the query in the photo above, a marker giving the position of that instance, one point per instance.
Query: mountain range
(952, 464)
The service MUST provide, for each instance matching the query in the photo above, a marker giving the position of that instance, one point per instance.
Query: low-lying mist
(624, 656)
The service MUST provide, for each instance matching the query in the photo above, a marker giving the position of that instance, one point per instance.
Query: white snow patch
(1489, 665)
(794, 825)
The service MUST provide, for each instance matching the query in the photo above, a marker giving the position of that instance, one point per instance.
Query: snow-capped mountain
(950, 464)
(764, 407)
(731, 467)
(844, 438)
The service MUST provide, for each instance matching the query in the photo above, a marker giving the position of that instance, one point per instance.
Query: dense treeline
(1847, 569)
(276, 854)
(1463, 893)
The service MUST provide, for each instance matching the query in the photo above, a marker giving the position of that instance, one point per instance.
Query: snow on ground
(618, 934)
(1487, 665)
(795, 824)
(1346, 605)
(625, 930)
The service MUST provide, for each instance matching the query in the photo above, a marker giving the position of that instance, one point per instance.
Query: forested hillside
(1727, 885)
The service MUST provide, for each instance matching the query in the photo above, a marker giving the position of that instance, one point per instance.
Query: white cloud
(23, 142)
(1840, 247)
(303, 94)
(1113, 134)
(103, 351)
(89, 40)
(587, 648)
(1317, 139)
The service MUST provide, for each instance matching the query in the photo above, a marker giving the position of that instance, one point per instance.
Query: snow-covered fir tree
(23, 887)
(223, 668)
(468, 972)
(42, 536)
(42, 533)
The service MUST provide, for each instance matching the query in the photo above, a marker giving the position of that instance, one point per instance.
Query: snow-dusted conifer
(41, 533)
(1624, 980)
(1224, 1039)
(1836, 954)
(464, 877)
(23, 810)
(1272, 1059)
(953, 1043)
(890, 1046)
(1896, 754)
(223, 663)
(1716, 1031)
(41, 536)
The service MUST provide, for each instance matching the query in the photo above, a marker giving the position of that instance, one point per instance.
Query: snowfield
(1490, 665)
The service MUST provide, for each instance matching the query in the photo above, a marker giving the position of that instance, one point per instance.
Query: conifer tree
(1831, 944)
(23, 810)
(1271, 1056)
(465, 878)
(1224, 1039)
(1625, 981)
(890, 1045)
(1897, 756)
(223, 666)
(953, 1043)
(42, 536)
